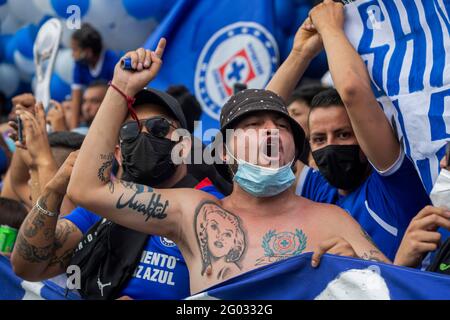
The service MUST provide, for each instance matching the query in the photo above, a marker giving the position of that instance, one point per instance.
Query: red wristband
(130, 101)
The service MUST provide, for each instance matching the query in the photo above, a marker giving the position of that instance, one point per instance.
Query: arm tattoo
(33, 253)
(373, 255)
(281, 245)
(62, 233)
(103, 170)
(221, 239)
(153, 208)
(32, 227)
(368, 238)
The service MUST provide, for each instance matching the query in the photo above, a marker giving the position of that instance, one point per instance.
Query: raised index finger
(160, 48)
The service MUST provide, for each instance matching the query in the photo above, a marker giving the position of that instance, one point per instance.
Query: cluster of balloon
(124, 24)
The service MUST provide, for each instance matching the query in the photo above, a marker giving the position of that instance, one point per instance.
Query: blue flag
(339, 278)
(14, 288)
(406, 46)
(211, 45)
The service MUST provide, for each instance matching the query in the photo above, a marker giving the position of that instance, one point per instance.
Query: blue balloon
(59, 89)
(284, 14)
(60, 7)
(10, 46)
(4, 40)
(2, 2)
(24, 38)
(143, 10)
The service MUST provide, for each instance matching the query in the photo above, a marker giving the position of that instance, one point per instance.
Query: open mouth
(218, 244)
(270, 149)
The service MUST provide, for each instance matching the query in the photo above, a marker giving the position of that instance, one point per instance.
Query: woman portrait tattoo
(221, 240)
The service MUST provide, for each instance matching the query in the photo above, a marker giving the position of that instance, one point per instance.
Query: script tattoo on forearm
(152, 207)
(103, 173)
(281, 245)
(221, 240)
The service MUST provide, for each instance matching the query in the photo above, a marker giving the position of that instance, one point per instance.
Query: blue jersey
(383, 205)
(83, 75)
(162, 272)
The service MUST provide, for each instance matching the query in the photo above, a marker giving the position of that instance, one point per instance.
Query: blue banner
(15, 288)
(406, 46)
(211, 45)
(336, 278)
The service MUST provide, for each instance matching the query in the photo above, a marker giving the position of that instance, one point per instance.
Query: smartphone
(20, 129)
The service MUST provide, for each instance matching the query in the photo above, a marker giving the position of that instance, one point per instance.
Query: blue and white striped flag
(406, 46)
(15, 288)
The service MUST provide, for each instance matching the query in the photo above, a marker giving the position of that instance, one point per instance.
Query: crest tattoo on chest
(281, 245)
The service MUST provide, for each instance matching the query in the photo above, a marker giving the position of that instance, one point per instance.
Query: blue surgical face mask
(261, 181)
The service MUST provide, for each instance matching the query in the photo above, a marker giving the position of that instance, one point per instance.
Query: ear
(118, 154)
(185, 146)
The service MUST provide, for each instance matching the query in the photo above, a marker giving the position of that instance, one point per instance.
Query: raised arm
(45, 244)
(307, 44)
(131, 205)
(352, 81)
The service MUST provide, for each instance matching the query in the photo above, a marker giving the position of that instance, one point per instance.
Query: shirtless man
(262, 221)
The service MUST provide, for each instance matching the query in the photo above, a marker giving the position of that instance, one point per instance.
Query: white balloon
(119, 30)
(66, 34)
(44, 6)
(64, 65)
(130, 33)
(24, 65)
(10, 25)
(9, 79)
(25, 11)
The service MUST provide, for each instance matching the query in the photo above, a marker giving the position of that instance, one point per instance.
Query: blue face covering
(261, 181)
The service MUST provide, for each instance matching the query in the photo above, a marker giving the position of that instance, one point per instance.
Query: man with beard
(114, 261)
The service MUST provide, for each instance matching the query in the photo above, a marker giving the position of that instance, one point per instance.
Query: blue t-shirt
(83, 75)
(383, 205)
(162, 273)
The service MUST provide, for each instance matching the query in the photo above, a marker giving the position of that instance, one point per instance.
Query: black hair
(189, 104)
(327, 98)
(306, 93)
(88, 37)
(12, 213)
(66, 139)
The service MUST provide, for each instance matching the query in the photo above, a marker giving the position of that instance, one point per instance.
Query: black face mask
(147, 159)
(341, 165)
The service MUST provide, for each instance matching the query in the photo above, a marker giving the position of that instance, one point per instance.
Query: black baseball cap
(248, 101)
(161, 98)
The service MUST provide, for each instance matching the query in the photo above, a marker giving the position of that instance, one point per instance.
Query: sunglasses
(158, 127)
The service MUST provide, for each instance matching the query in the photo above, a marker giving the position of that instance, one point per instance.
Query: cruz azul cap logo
(242, 52)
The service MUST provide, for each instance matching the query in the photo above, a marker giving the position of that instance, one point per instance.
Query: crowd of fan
(100, 190)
